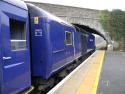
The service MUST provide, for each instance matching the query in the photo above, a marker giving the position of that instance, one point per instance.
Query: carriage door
(15, 53)
(83, 43)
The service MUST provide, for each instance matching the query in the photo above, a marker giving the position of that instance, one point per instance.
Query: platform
(112, 78)
(102, 73)
(83, 78)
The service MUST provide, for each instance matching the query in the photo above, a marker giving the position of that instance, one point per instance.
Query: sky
(92, 4)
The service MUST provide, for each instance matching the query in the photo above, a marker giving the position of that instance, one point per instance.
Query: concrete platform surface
(112, 79)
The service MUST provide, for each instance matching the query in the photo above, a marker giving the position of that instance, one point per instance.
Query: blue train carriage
(52, 44)
(90, 42)
(80, 41)
(14, 48)
(83, 41)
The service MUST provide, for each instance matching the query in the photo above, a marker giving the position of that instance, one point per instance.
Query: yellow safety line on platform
(95, 86)
(90, 83)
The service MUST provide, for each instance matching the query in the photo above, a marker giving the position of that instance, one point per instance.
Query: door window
(17, 34)
(68, 37)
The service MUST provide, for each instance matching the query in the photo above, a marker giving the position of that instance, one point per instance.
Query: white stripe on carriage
(17, 40)
(13, 65)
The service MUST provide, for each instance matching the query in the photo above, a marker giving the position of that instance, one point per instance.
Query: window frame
(66, 38)
(19, 40)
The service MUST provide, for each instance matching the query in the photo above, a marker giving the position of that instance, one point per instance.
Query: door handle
(6, 58)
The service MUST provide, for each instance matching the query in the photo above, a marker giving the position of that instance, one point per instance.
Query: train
(35, 45)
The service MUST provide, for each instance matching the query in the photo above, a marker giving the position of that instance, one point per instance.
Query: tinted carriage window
(68, 38)
(17, 34)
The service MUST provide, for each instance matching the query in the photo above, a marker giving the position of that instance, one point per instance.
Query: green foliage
(104, 19)
(114, 23)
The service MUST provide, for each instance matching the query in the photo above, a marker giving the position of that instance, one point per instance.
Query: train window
(17, 34)
(68, 37)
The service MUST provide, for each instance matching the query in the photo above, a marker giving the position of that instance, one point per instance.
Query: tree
(114, 23)
(104, 19)
(117, 23)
